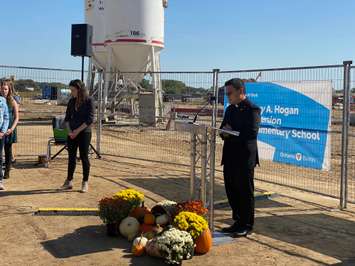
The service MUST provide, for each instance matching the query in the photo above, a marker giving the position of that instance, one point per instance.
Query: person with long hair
(4, 124)
(79, 116)
(17, 99)
(7, 91)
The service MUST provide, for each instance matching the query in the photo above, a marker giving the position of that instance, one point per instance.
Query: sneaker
(67, 185)
(242, 232)
(2, 186)
(84, 187)
(230, 229)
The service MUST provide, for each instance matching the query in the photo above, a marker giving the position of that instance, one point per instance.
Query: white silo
(95, 16)
(131, 32)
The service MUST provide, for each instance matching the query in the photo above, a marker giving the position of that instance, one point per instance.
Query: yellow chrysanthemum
(191, 222)
(131, 195)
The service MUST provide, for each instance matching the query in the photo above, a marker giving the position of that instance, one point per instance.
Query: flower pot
(111, 229)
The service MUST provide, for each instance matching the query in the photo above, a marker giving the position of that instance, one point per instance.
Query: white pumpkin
(141, 240)
(129, 228)
(162, 219)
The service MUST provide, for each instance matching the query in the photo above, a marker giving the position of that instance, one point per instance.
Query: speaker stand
(82, 79)
(98, 155)
(82, 68)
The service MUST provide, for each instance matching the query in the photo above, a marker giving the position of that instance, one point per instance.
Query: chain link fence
(324, 182)
(163, 146)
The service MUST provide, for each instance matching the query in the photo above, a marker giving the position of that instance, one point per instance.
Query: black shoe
(230, 229)
(242, 232)
(7, 175)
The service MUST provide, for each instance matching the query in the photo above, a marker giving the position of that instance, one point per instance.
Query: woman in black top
(79, 116)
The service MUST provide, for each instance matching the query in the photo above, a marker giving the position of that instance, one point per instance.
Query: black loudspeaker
(81, 40)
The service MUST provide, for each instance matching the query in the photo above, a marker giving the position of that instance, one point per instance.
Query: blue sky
(200, 35)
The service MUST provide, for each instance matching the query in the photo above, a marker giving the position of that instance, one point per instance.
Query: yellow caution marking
(68, 211)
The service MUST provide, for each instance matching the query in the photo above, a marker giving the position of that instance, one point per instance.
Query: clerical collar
(241, 103)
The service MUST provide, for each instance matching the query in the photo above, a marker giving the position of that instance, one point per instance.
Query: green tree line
(23, 84)
(170, 86)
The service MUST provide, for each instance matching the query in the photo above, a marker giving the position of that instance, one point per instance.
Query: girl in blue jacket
(4, 124)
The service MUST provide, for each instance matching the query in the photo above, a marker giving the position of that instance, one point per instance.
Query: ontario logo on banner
(295, 121)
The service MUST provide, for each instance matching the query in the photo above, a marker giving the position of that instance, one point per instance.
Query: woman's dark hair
(82, 91)
(237, 84)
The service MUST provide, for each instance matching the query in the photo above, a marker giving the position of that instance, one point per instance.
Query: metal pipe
(345, 136)
(82, 68)
(203, 165)
(213, 150)
(160, 87)
(212, 178)
(108, 76)
(215, 94)
(280, 69)
(89, 76)
(193, 165)
(99, 115)
(183, 72)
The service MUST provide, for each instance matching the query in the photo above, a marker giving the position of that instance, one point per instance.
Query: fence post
(204, 156)
(193, 165)
(99, 114)
(345, 136)
(89, 75)
(213, 150)
(215, 94)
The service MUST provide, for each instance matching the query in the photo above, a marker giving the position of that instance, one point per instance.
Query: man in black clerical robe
(240, 156)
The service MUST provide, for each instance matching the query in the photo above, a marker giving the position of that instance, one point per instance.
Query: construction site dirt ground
(292, 228)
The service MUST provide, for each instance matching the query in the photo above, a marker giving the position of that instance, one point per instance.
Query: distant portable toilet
(147, 109)
(49, 93)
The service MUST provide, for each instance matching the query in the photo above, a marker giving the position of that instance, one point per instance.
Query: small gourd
(139, 245)
(141, 240)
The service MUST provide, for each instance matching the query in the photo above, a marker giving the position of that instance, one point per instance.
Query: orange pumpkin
(204, 242)
(149, 219)
(145, 228)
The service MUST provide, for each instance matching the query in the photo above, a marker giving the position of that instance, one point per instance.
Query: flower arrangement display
(134, 197)
(195, 206)
(191, 222)
(175, 245)
(170, 230)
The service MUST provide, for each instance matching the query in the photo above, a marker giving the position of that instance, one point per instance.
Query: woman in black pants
(79, 116)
